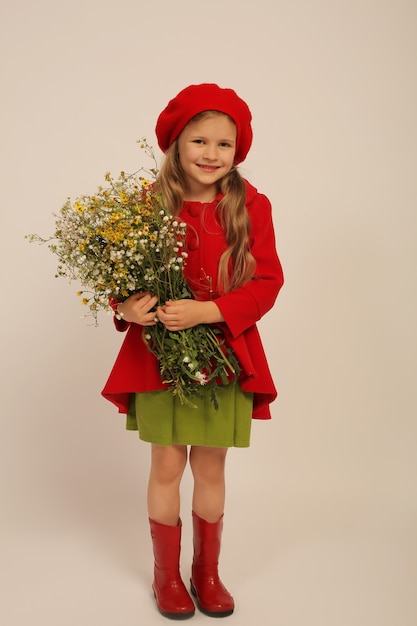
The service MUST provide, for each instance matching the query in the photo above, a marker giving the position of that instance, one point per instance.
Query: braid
(234, 218)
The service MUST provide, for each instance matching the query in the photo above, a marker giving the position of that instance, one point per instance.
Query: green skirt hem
(161, 419)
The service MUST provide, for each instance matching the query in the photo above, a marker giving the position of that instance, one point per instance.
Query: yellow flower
(115, 217)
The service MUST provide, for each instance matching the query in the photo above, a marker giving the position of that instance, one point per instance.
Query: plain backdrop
(321, 516)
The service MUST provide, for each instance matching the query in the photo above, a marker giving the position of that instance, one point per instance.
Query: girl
(235, 275)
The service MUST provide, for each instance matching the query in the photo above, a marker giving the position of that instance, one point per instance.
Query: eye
(198, 141)
(225, 144)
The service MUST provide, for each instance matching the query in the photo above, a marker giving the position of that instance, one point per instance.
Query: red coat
(136, 369)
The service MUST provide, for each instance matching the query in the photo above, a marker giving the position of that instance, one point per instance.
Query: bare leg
(167, 467)
(208, 468)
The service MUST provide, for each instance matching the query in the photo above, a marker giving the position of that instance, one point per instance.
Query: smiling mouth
(208, 168)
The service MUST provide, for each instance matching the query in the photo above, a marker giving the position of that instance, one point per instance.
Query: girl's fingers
(147, 301)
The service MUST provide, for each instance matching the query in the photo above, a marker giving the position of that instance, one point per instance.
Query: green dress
(160, 418)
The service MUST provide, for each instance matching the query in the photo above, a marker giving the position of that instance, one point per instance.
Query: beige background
(320, 527)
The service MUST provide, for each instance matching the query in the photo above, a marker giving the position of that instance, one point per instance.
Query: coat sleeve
(243, 307)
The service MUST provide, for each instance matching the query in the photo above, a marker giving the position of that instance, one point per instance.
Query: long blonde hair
(236, 264)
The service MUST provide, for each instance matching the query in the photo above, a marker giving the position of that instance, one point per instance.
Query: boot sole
(176, 616)
(205, 611)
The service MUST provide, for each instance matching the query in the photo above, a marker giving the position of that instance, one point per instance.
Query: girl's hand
(182, 314)
(137, 309)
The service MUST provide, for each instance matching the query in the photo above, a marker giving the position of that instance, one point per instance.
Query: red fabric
(206, 97)
(136, 369)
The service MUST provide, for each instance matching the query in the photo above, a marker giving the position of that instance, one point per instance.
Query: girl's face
(206, 152)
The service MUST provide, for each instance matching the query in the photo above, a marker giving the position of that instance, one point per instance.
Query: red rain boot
(212, 597)
(172, 598)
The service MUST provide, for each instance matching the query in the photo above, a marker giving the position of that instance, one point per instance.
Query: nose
(210, 152)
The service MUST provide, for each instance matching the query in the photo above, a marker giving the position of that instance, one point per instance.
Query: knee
(168, 467)
(207, 465)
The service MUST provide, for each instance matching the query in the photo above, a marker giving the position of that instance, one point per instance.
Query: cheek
(186, 155)
(232, 160)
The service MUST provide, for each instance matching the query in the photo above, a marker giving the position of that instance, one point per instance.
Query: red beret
(206, 97)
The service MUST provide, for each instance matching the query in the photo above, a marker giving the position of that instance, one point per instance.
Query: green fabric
(161, 418)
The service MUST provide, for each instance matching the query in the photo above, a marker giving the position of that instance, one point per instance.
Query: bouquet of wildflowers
(122, 240)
